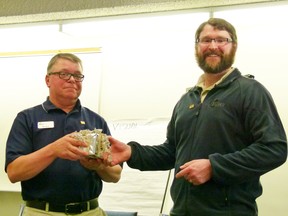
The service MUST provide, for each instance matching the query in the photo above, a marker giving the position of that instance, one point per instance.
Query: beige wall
(10, 203)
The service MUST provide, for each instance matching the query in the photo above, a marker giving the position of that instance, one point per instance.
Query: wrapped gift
(98, 143)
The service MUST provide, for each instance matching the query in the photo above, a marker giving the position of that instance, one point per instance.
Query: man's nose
(71, 79)
(213, 44)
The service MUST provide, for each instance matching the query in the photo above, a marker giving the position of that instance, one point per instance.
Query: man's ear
(47, 80)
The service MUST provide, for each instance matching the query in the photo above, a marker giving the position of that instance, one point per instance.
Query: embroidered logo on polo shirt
(45, 124)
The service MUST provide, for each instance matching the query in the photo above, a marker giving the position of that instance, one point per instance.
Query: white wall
(147, 62)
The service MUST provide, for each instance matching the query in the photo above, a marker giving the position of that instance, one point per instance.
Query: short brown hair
(219, 24)
(68, 56)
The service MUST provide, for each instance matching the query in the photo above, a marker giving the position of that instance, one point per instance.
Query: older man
(56, 176)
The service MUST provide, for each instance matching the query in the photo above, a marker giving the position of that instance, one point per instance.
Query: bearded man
(223, 135)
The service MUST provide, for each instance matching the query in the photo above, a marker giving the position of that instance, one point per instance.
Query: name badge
(45, 124)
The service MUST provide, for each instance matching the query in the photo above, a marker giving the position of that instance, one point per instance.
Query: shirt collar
(201, 80)
(48, 106)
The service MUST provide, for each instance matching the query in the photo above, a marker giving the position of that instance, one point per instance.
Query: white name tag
(45, 124)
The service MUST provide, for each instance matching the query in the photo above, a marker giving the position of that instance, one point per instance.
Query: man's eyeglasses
(218, 41)
(67, 76)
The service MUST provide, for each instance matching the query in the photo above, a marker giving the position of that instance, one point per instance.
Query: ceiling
(28, 11)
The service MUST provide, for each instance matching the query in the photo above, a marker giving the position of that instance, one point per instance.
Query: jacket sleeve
(268, 146)
(149, 158)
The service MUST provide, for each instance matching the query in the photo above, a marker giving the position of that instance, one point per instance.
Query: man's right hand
(120, 152)
(68, 148)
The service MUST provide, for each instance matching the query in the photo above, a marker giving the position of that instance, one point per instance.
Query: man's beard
(226, 61)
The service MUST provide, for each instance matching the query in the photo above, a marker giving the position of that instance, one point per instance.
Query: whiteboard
(23, 86)
(141, 191)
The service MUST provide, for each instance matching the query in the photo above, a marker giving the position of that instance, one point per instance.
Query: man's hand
(107, 173)
(92, 163)
(120, 152)
(196, 172)
(67, 147)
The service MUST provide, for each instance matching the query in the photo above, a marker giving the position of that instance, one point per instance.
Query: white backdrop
(138, 191)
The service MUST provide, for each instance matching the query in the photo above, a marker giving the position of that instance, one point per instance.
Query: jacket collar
(235, 74)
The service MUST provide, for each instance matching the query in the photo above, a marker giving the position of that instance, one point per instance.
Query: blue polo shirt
(63, 181)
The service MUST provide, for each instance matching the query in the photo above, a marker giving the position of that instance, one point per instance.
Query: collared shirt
(205, 89)
(63, 181)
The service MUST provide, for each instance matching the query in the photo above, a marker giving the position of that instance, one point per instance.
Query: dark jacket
(238, 129)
